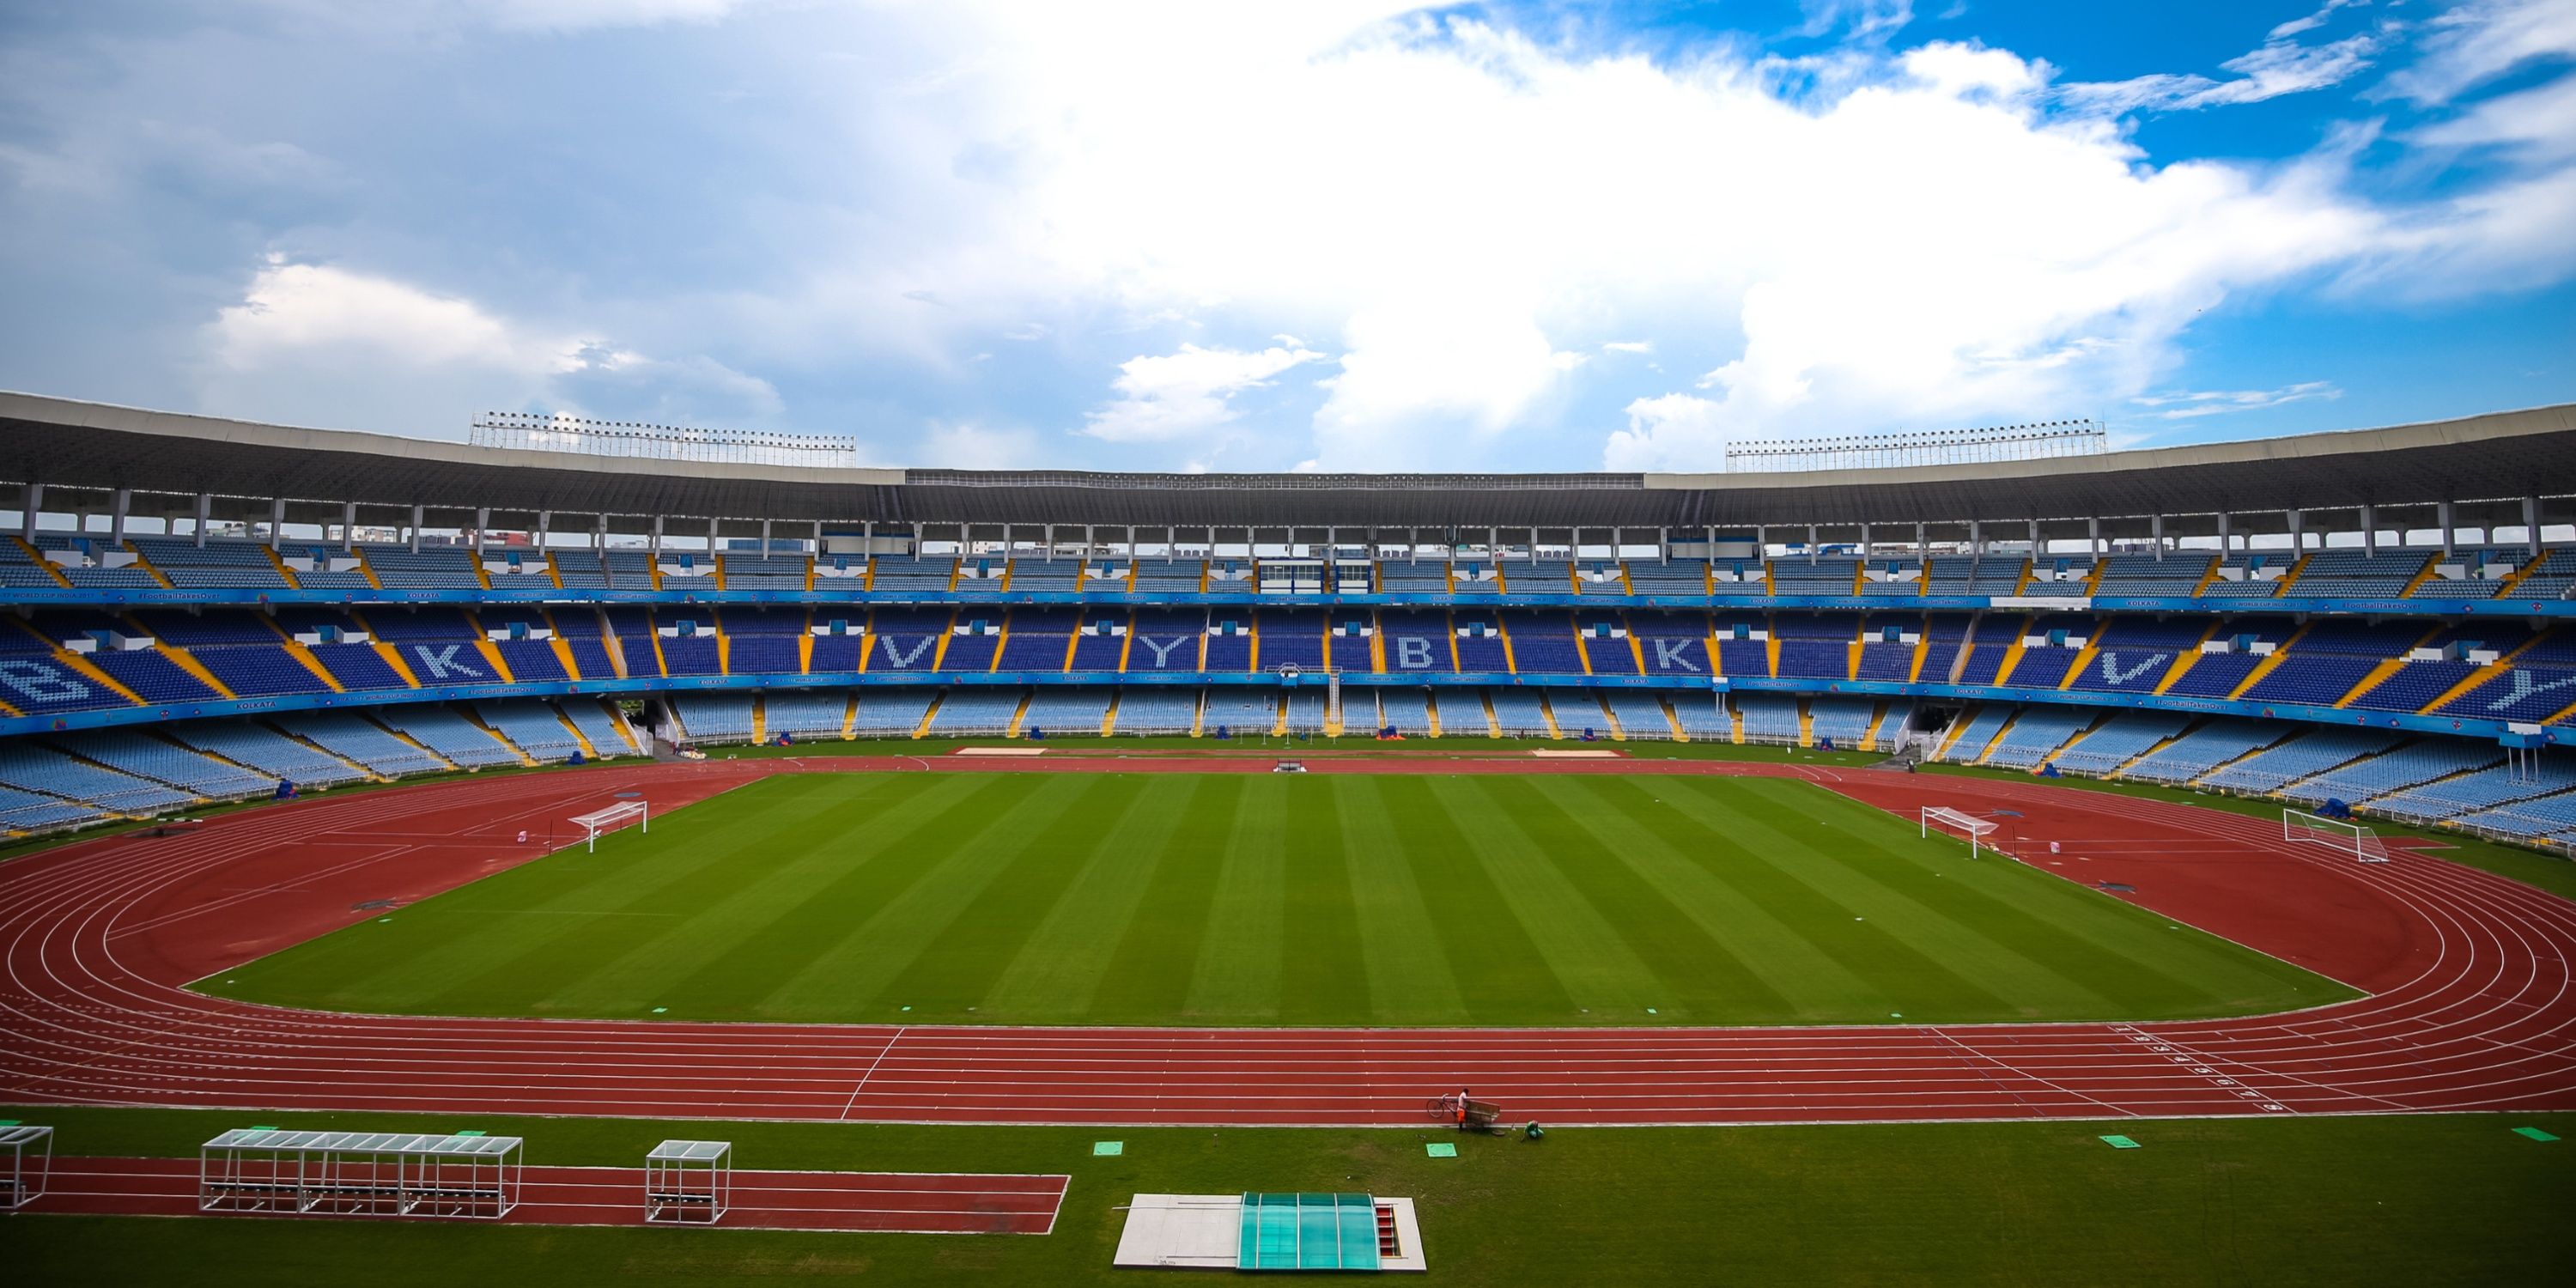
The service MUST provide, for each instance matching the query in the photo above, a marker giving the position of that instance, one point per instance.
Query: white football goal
(609, 820)
(2348, 837)
(1953, 823)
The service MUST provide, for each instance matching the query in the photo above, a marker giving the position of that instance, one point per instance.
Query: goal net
(609, 820)
(2348, 837)
(1953, 823)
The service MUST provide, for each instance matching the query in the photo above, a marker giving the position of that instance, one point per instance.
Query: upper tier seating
(2250, 575)
(221, 562)
(2354, 574)
(758, 572)
(1677, 577)
(1544, 643)
(906, 572)
(2173, 577)
(2469, 574)
(1797, 576)
(397, 567)
(1040, 574)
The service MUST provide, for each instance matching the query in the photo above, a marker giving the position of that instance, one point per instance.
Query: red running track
(2468, 975)
(875, 1202)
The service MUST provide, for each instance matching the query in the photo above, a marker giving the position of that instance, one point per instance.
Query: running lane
(2469, 1005)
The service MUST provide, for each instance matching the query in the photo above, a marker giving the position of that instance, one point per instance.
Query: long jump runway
(2469, 1004)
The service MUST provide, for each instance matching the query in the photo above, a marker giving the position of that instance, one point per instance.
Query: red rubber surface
(882, 1202)
(2471, 1008)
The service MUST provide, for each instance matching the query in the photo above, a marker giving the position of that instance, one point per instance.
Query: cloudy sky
(1340, 234)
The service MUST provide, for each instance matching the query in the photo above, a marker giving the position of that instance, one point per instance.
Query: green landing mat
(1107, 1148)
(2534, 1133)
(2119, 1142)
(1441, 1149)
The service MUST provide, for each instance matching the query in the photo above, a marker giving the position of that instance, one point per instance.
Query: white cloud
(2193, 404)
(291, 311)
(1419, 374)
(1628, 346)
(2539, 123)
(1185, 395)
(2311, 22)
(323, 344)
(965, 445)
(1867, 19)
(2477, 42)
(2280, 66)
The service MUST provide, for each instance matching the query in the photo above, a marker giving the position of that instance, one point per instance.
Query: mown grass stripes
(1230, 899)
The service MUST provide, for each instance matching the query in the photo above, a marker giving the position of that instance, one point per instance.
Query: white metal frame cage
(688, 1182)
(341, 1173)
(31, 1164)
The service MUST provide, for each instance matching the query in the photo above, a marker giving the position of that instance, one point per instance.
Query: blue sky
(1341, 234)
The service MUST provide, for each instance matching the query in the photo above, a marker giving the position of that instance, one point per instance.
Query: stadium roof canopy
(2505, 456)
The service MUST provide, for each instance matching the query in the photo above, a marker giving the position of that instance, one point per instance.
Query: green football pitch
(1251, 899)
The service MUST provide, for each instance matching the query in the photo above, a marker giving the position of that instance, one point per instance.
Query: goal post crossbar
(609, 819)
(1969, 826)
(2343, 835)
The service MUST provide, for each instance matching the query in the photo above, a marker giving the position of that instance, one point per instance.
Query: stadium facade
(200, 608)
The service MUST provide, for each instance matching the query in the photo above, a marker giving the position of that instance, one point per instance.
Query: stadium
(1986, 856)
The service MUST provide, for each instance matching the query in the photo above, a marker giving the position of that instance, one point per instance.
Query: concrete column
(2156, 529)
(599, 533)
(31, 500)
(1922, 544)
(1977, 538)
(1811, 545)
(764, 538)
(2369, 531)
(2226, 534)
(2298, 531)
(482, 528)
(348, 527)
(655, 545)
(419, 516)
(2036, 552)
(2531, 524)
(276, 521)
(1864, 541)
(711, 536)
(2093, 535)
(2442, 517)
(119, 505)
(205, 514)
